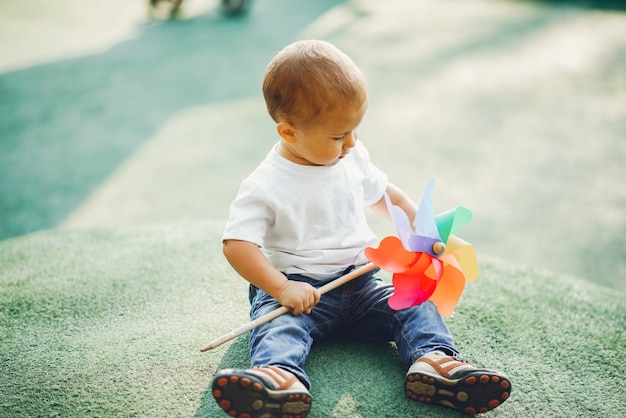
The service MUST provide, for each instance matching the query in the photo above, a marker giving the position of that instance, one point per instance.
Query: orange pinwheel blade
(391, 255)
(448, 290)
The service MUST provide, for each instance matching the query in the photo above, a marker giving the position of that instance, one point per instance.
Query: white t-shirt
(308, 220)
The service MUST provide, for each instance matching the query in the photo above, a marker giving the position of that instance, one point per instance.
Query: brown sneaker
(267, 392)
(437, 378)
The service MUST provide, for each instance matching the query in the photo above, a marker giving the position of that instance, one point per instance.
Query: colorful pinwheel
(428, 262)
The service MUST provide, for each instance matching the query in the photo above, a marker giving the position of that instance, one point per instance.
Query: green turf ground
(123, 141)
(110, 323)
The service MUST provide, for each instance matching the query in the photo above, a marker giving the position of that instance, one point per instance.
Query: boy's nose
(351, 139)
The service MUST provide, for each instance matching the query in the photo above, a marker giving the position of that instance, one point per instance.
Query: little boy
(298, 222)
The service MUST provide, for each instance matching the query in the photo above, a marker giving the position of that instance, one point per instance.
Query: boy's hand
(300, 297)
(252, 265)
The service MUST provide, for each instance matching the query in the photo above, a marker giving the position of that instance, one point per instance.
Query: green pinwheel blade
(449, 222)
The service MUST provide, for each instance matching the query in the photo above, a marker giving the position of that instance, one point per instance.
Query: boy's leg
(284, 342)
(277, 384)
(416, 331)
(438, 374)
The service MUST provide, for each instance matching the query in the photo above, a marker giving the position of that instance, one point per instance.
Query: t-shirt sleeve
(249, 215)
(375, 181)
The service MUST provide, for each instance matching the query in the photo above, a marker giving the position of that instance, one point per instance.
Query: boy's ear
(286, 131)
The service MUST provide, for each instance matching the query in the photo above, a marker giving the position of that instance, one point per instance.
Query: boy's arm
(398, 198)
(251, 264)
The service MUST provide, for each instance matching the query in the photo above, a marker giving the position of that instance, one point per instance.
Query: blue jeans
(359, 310)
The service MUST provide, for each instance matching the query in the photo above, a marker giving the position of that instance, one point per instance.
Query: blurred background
(113, 115)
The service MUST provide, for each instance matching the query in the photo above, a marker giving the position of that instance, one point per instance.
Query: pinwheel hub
(439, 248)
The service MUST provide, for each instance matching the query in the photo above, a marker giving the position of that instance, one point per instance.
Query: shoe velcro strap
(282, 379)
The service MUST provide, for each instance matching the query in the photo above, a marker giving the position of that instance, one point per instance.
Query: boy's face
(325, 143)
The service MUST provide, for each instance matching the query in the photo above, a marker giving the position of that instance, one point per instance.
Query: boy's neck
(283, 150)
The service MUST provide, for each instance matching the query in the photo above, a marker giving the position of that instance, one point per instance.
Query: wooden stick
(283, 310)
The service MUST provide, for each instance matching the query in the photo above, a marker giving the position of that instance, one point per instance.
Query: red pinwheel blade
(410, 290)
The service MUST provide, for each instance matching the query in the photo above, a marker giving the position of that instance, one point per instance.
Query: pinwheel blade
(391, 255)
(410, 290)
(400, 221)
(448, 222)
(465, 255)
(448, 291)
(410, 240)
(424, 221)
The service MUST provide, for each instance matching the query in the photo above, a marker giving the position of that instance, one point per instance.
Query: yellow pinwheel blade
(465, 255)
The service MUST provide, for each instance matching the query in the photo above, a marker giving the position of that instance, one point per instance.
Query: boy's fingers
(296, 312)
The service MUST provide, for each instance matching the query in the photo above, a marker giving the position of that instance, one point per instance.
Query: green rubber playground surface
(110, 322)
(123, 140)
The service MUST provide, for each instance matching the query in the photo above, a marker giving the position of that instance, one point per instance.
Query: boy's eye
(337, 138)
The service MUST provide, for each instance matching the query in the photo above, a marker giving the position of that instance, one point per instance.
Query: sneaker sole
(477, 392)
(243, 395)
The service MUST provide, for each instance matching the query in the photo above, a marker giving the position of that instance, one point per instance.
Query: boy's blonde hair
(307, 79)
